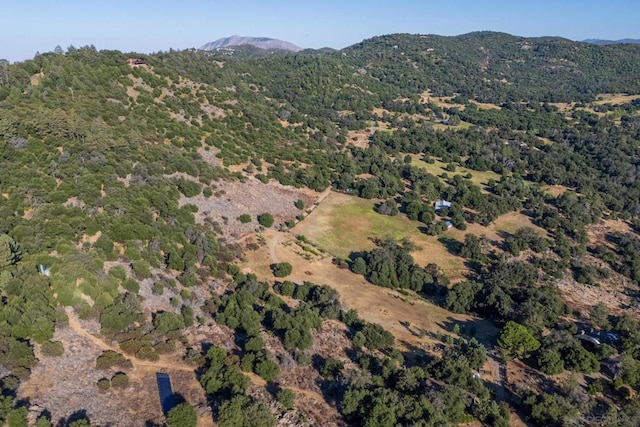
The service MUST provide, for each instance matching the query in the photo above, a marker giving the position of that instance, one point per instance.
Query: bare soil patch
(208, 154)
(67, 384)
(582, 297)
(36, 78)
(360, 138)
(556, 190)
(485, 106)
(132, 93)
(616, 292)
(234, 198)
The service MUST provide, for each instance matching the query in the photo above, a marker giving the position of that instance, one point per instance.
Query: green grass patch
(462, 125)
(437, 168)
(355, 221)
(343, 224)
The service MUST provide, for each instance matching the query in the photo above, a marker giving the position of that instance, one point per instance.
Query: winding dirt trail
(145, 370)
(272, 248)
(161, 364)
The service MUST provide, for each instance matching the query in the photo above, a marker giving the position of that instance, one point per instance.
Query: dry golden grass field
(615, 98)
(342, 224)
(438, 168)
(403, 315)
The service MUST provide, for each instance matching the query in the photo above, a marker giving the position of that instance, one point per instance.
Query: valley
(402, 232)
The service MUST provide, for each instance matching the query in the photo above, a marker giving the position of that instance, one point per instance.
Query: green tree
(550, 361)
(245, 411)
(167, 321)
(286, 397)
(17, 417)
(376, 337)
(124, 311)
(600, 315)
(120, 379)
(515, 340)
(244, 218)
(183, 415)
(266, 220)
(9, 253)
(281, 269)
(286, 288)
(267, 369)
(461, 298)
(359, 266)
(43, 422)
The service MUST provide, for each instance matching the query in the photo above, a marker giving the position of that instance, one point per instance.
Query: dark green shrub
(183, 415)
(118, 272)
(266, 220)
(285, 288)
(157, 288)
(52, 349)
(120, 380)
(281, 269)
(131, 285)
(267, 369)
(103, 384)
(110, 358)
(188, 188)
(286, 398)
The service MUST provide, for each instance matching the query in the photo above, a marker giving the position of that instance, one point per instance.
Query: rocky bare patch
(232, 199)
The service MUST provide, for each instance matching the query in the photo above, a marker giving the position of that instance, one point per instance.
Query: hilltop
(265, 43)
(414, 228)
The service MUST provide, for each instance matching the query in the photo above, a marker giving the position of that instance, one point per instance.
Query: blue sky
(27, 27)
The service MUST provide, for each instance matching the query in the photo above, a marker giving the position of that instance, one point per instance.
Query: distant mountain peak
(607, 42)
(259, 42)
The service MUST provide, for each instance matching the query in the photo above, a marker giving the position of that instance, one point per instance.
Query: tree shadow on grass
(481, 329)
(417, 355)
(451, 245)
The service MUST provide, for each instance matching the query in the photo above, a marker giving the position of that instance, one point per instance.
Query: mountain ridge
(604, 42)
(265, 43)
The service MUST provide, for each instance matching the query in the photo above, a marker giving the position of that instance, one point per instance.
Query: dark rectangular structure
(167, 399)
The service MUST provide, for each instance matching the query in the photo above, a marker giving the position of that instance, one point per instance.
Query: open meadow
(411, 319)
(437, 168)
(342, 224)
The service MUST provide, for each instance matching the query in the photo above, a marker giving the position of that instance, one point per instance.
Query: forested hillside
(134, 190)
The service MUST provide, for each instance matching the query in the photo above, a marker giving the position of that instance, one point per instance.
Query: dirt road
(158, 365)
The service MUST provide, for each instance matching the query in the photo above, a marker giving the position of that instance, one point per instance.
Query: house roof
(439, 204)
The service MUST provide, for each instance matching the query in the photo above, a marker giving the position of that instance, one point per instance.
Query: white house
(441, 204)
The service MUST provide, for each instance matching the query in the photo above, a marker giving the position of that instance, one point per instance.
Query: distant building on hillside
(135, 61)
(441, 204)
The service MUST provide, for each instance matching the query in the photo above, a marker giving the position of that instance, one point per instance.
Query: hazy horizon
(146, 26)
